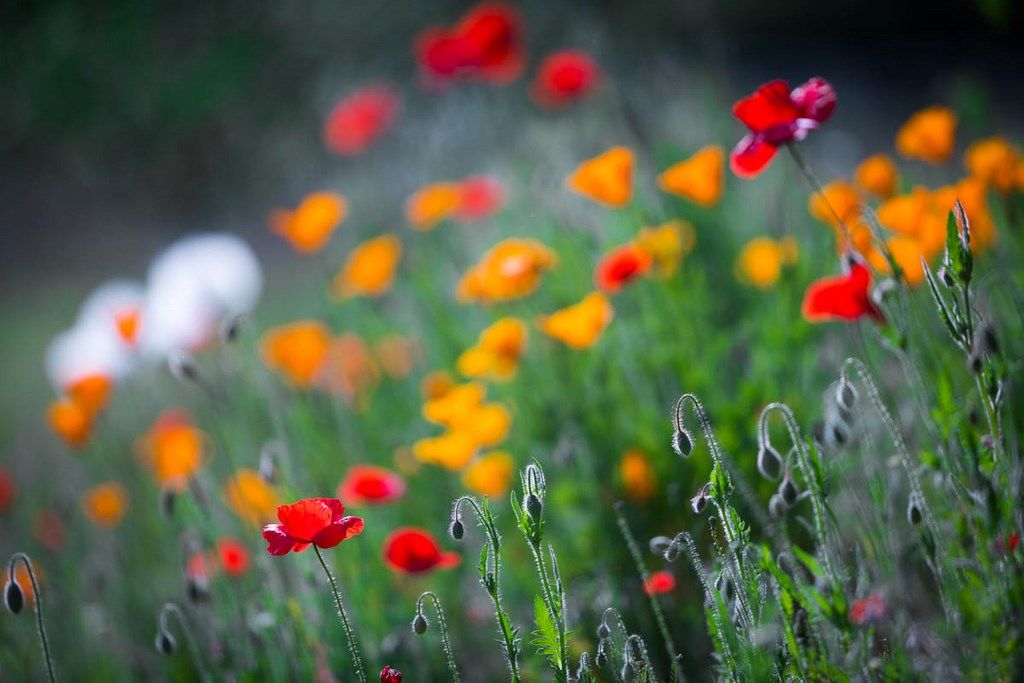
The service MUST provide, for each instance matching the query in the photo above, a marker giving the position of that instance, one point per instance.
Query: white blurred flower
(117, 304)
(87, 350)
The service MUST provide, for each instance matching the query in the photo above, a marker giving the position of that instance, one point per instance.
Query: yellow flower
(579, 326)
(606, 179)
(638, 476)
(497, 352)
(451, 405)
(701, 178)
(173, 448)
(452, 450)
(310, 226)
(667, 244)
(928, 135)
(994, 162)
(877, 174)
(432, 204)
(250, 497)
(105, 504)
(370, 268)
(761, 260)
(490, 475)
(297, 351)
(509, 270)
(843, 199)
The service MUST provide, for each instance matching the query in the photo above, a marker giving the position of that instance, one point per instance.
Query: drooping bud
(603, 632)
(456, 529)
(627, 673)
(183, 366)
(584, 668)
(914, 514)
(777, 507)
(700, 501)
(659, 544)
(534, 507)
(837, 434)
(14, 597)
(231, 328)
(846, 395)
(419, 624)
(769, 462)
(987, 341)
(787, 489)
(164, 642)
(682, 443)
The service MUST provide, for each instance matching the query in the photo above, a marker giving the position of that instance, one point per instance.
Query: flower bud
(682, 443)
(914, 514)
(456, 529)
(603, 632)
(627, 673)
(164, 642)
(787, 490)
(534, 507)
(390, 675)
(14, 598)
(700, 501)
(419, 624)
(769, 462)
(846, 395)
(659, 544)
(946, 277)
(777, 507)
(601, 659)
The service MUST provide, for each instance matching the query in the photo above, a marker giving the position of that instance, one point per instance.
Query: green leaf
(545, 638)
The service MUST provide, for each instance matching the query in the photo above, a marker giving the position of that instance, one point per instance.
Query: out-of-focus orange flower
(480, 197)
(105, 504)
(907, 252)
(452, 450)
(701, 178)
(91, 393)
(457, 400)
(843, 199)
(370, 268)
(638, 476)
(432, 204)
(667, 244)
(173, 448)
(579, 326)
(497, 352)
(994, 162)
(309, 227)
(349, 371)
(6, 490)
(297, 351)
(620, 266)
(761, 260)
(928, 135)
(250, 497)
(606, 179)
(902, 213)
(397, 354)
(487, 424)
(70, 422)
(972, 194)
(490, 475)
(436, 384)
(49, 529)
(509, 270)
(877, 174)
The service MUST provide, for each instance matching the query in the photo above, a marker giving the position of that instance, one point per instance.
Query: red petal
(750, 155)
(278, 541)
(305, 519)
(412, 550)
(816, 99)
(343, 529)
(359, 119)
(770, 106)
(843, 297)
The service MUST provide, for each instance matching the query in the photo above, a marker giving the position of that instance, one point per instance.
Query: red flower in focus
(233, 556)
(390, 675)
(564, 77)
(370, 485)
(486, 44)
(843, 297)
(49, 529)
(480, 197)
(359, 119)
(621, 266)
(660, 582)
(317, 521)
(869, 609)
(776, 116)
(415, 551)
(6, 490)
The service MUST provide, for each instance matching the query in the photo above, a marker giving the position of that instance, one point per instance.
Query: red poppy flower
(233, 556)
(660, 582)
(486, 44)
(564, 77)
(317, 521)
(479, 197)
(390, 675)
(871, 608)
(49, 529)
(6, 490)
(359, 119)
(621, 266)
(415, 551)
(776, 116)
(370, 485)
(843, 297)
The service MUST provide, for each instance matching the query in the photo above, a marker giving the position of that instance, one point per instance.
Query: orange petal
(606, 179)
(701, 178)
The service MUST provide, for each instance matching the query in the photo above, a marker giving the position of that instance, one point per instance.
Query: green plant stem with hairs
(170, 608)
(446, 644)
(44, 642)
(353, 645)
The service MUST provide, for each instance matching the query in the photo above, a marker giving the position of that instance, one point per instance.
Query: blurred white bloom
(117, 304)
(193, 286)
(89, 349)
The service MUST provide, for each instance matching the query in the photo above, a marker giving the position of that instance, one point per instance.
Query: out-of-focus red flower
(1005, 545)
(842, 297)
(359, 119)
(49, 529)
(233, 556)
(775, 116)
(486, 44)
(868, 609)
(621, 266)
(6, 490)
(661, 581)
(311, 521)
(479, 197)
(370, 485)
(564, 77)
(415, 551)
(390, 675)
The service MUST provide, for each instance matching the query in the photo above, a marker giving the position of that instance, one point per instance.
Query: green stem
(353, 646)
(38, 596)
(193, 647)
(446, 644)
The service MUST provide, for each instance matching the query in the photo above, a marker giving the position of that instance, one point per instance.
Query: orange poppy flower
(994, 162)
(452, 450)
(761, 260)
(621, 266)
(458, 399)
(173, 448)
(903, 213)
(486, 424)
(105, 504)
(638, 477)
(606, 179)
(370, 268)
(843, 199)
(397, 354)
(70, 422)
(297, 351)
(91, 393)
(250, 496)
(878, 175)
(490, 475)
(509, 270)
(349, 370)
(700, 179)
(667, 244)
(308, 228)
(928, 135)
(907, 251)
(497, 352)
(579, 326)
(432, 204)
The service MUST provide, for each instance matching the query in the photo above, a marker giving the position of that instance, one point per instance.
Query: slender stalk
(44, 642)
(353, 646)
(815, 184)
(193, 647)
(713, 606)
(446, 644)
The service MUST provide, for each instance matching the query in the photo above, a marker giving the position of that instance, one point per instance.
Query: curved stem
(816, 186)
(443, 625)
(713, 605)
(193, 647)
(353, 646)
(40, 626)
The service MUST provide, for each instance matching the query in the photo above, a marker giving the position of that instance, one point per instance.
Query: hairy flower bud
(682, 443)
(534, 507)
(846, 395)
(787, 490)
(601, 659)
(14, 598)
(700, 501)
(419, 624)
(165, 643)
(456, 529)
(777, 507)
(769, 462)
(914, 514)
(603, 632)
